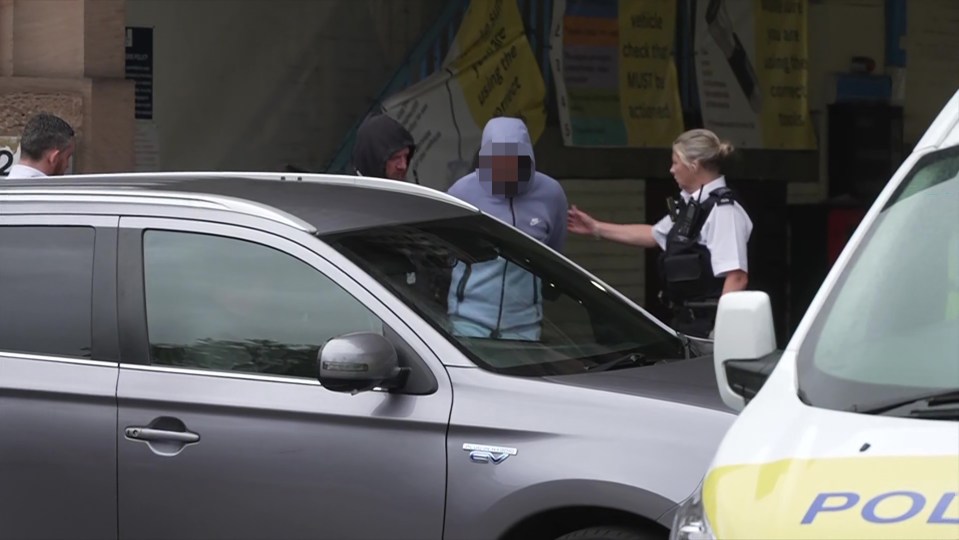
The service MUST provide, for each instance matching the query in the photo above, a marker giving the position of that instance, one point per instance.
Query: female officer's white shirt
(725, 232)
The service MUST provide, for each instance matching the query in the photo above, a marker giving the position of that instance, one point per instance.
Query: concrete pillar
(67, 57)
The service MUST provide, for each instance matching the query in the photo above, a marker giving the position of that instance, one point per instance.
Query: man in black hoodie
(383, 148)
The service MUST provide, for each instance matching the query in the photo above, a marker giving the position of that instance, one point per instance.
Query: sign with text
(139, 68)
(752, 72)
(614, 70)
(9, 154)
(490, 71)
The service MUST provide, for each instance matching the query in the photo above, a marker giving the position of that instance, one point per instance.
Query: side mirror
(744, 346)
(360, 362)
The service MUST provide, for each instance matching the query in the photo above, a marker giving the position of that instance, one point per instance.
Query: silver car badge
(482, 453)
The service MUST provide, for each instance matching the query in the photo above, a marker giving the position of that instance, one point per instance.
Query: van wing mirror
(746, 377)
(744, 346)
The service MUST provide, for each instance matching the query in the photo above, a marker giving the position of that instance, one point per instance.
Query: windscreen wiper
(630, 359)
(927, 405)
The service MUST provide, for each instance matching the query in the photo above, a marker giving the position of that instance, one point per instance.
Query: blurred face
(683, 174)
(397, 165)
(505, 169)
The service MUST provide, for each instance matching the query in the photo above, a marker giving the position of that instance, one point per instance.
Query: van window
(46, 290)
(225, 304)
(890, 329)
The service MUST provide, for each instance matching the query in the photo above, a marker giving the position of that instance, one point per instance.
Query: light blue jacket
(499, 299)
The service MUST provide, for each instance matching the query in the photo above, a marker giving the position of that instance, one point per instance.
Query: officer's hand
(579, 222)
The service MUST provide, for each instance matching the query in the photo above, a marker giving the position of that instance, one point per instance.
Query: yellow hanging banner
(495, 68)
(489, 71)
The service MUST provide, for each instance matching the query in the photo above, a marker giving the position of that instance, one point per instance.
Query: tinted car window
(509, 302)
(230, 305)
(46, 287)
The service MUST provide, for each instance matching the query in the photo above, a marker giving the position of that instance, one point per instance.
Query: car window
(507, 301)
(225, 304)
(46, 289)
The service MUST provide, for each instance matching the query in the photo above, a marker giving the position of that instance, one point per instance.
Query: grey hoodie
(500, 299)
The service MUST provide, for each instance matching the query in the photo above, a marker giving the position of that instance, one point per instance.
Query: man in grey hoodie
(499, 299)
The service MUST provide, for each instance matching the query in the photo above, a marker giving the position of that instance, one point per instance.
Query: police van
(852, 431)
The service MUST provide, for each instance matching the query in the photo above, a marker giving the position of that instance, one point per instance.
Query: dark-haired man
(46, 146)
(383, 148)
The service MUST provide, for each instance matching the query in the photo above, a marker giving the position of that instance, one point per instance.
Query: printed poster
(752, 72)
(490, 71)
(615, 75)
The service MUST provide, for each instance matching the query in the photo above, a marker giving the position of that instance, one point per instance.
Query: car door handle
(150, 434)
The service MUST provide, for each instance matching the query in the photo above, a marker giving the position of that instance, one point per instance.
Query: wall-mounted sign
(9, 154)
(139, 68)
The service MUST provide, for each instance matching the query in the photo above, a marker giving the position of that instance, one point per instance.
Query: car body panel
(276, 446)
(375, 464)
(592, 447)
(58, 414)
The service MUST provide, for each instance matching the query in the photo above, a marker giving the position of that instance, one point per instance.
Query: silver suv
(265, 356)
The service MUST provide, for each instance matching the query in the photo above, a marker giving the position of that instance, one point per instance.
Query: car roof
(327, 203)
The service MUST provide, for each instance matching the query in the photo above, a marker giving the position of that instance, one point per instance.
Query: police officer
(703, 237)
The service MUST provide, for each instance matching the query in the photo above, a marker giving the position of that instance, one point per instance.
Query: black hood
(690, 381)
(378, 138)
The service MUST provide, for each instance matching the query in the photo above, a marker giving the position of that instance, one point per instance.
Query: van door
(58, 376)
(225, 431)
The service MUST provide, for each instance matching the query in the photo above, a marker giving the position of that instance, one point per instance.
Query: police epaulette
(724, 196)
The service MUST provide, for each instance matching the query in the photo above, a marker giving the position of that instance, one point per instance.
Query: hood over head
(378, 138)
(506, 137)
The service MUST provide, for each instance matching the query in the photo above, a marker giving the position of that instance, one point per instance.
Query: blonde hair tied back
(704, 147)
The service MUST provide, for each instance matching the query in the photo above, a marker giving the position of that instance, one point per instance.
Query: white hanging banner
(752, 72)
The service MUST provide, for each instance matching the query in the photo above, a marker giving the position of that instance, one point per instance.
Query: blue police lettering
(819, 505)
(938, 515)
(869, 510)
(841, 501)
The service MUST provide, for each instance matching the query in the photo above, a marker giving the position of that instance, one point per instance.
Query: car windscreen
(508, 302)
(889, 329)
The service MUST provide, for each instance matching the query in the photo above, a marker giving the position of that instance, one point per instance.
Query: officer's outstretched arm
(632, 234)
(579, 222)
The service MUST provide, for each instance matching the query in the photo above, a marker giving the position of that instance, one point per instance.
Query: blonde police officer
(703, 237)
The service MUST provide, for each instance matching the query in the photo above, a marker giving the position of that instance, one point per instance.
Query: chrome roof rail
(166, 198)
(320, 178)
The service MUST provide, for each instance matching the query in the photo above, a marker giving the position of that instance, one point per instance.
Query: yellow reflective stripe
(904, 497)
